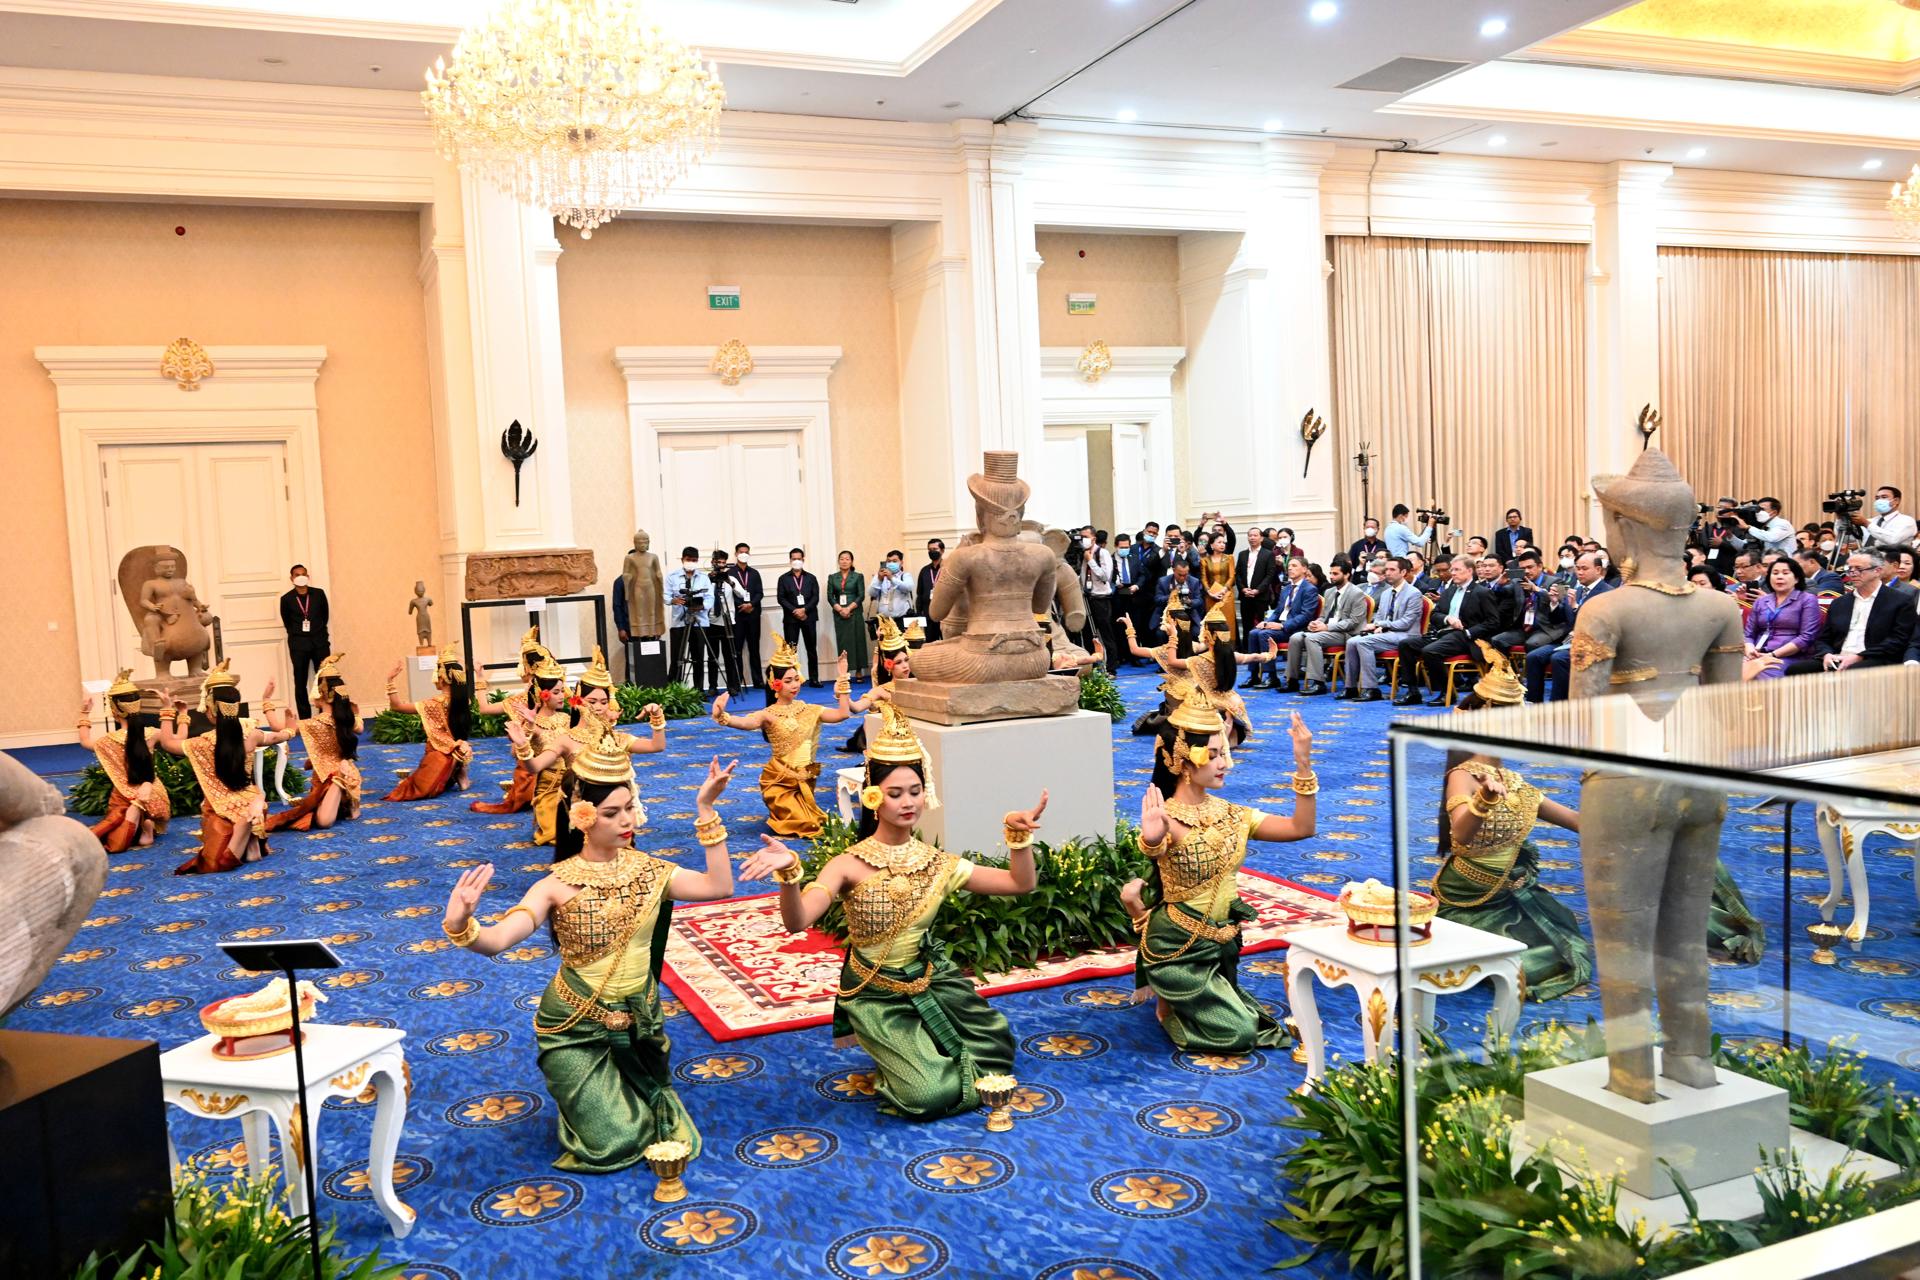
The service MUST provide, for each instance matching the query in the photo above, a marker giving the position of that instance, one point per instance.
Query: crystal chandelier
(1904, 204)
(580, 107)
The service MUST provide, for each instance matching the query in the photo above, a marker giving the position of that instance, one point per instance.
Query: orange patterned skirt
(302, 815)
(519, 794)
(429, 780)
(116, 834)
(216, 835)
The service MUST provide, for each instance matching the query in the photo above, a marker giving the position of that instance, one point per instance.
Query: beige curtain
(1791, 374)
(1462, 364)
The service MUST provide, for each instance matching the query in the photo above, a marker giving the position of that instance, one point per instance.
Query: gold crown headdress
(1170, 618)
(605, 762)
(784, 657)
(891, 639)
(1216, 615)
(1194, 715)
(1498, 686)
(915, 635)
(449, 657)
(896, 743)
(123, 685)
(597, 676)
(330, 669)
(219, 676)
(531, 641)
(547, 669)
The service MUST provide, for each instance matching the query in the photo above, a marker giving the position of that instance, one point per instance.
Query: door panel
(1129, 477)
(150, 495)
(1060, 493)
(768, 468)
(697, 495)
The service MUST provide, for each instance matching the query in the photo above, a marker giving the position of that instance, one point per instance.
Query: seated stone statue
(168, 612)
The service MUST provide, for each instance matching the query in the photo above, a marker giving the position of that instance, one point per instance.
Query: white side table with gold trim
(1457, 958)
(365, 1063)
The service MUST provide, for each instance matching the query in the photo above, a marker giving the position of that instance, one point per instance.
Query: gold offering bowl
(1378, 922)
(997, 1092)
(1824, 934)
(668, 1160)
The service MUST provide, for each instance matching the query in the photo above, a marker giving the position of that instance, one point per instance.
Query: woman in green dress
(847, 595)
(901, 996)
(1490, 871)
(598, 1024)
(1189, 912)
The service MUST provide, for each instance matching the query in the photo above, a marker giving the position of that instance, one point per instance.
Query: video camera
(1437, 515)
(1748, 511)
(1845, 503)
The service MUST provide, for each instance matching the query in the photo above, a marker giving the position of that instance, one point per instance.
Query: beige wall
(644, 283)
(104, 274)
(1137, 278)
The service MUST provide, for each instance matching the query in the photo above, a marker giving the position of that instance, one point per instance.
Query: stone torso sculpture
(1649, 847)
(645, 589)
(1000, 580)
(168, 612)
(421, 606)
(51, 871)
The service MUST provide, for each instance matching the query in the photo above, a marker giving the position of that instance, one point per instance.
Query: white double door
(1094, 474)
(226, 507)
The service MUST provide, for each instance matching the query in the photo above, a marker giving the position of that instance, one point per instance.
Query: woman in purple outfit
(1782, 623)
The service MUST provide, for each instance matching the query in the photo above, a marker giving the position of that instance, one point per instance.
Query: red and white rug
(739, 971)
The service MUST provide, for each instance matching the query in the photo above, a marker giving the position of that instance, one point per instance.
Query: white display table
(340, 1061)
(1456, 958)
(1844, 825)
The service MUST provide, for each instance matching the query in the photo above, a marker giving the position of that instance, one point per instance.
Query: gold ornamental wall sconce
(1095, 362)
(732, 362)
(1648, 423)
(1312, 427)
(186, 362)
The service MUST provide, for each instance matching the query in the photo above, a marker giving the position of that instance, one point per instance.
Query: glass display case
(1658, 972)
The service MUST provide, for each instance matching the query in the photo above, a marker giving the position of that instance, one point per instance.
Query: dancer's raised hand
(466, 895)
(771, 856)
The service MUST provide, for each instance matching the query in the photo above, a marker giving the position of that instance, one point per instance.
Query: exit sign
(1081, 304)
(723, 297)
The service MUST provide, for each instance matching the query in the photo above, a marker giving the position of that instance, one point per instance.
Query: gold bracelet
(793, 873)
(268, 706)
(463, 937)
(1306, 784)
(1477, 809)
(1155, 850)
(523, 752)
(712, 836)
(658, 720)
(1016, 838)
(392, 687)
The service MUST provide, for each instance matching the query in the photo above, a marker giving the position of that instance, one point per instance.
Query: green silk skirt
(614, 1089)
(1206, 1010)
(930, 1047)
(1732, 931)
(1559, 955)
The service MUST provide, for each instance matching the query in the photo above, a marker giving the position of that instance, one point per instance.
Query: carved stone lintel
(510, 575)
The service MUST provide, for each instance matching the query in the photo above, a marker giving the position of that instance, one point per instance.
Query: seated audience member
(1421, 578)
(1819, 579)
(1555, 659)
(1871, 626)
(1396, 616)
(1782, 623)
(1507, 598)
(1377, 577)
(1296, 603)
(1534, 590)
(1562, 568)
(1508, 539)
(1899, 570)
(1708, 577)
(1283, 545)
(1184, 580)
(1343, 616)
(1747, 570)
(1463, 614)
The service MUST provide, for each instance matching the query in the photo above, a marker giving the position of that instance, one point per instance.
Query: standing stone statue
(171, 619)
(421, 607)
(1000, 580)
(646, 591)
(1649, 848)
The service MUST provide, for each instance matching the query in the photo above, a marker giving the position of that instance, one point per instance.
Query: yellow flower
(331, 906)
(1066, 1046)
(413, 913)
(697, 1226)
(362, 1179)
(441, 990)
(231, 1157)
(1220, 1061)
(468, 1041)
(184, 897)
(722, 1068)
(787, 1146)
(154, 1008)
(258, 931)
(83, 955)
(855, 1084)
(967, 1170)
(1154, 1191)
(351, 978)
(494, 1108)
(1103, 999)
(1025, 1099)
(1188, 1119)
(402, 884)
(59, 999)
(329, 879)
(528, 1202)
(892, 1255)
(583, 814)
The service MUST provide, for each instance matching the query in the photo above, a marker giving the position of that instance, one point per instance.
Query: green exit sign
(1081, 304)
(723, 297)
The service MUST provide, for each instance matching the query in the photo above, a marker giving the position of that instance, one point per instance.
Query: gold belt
(611, 1019)
(871, 976)
(1203, 928)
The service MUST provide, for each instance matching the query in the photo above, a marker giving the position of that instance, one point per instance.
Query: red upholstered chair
(1393, 662)
(1337, 653)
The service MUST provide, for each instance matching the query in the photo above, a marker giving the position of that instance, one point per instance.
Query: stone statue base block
(957, 704)
(184, 688)
(1709, 1136)
(982, 771)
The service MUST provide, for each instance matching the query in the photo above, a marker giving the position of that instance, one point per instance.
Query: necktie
(1125, 561)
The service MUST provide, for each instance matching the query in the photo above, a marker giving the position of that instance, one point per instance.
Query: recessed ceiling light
(1696, 153)
(1126, 115)
(1273, 125)
(1323, 11)
(1493, 27)
(1497, 140)
(1870, 165)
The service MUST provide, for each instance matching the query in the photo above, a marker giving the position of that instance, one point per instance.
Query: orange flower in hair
(583, 814)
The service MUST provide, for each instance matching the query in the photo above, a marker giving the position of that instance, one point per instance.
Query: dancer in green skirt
(598, 1026)
(901, 997)
(1189, 913)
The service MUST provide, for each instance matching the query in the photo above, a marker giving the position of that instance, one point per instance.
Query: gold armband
(1155, 850)
(268, 706)
(1478, 807)
(657, 719)
(1018, 839)
(523, 752)
(710, 836)
(462, 937)
(1306, 784)
(793, 873)
(520, 907)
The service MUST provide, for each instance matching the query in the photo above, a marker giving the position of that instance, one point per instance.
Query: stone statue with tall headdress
(166, 610)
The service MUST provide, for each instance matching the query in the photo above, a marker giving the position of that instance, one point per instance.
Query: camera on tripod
(1438, 515)
(1845, 503)
(1748, 512)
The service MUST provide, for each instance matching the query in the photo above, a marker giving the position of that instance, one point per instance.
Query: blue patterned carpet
(1130, 1160)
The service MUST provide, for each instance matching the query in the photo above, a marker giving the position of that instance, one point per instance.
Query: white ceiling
(1201, 65)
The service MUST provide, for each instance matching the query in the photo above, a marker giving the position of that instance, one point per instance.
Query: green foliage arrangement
(1098, 692)
(1483, 1214)
(239, 1232)
(88, 797)
(679, 701)
(1075, 908)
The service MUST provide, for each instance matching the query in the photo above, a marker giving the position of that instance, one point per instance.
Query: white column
(1003, 268)
(1624, 313)
(939, 420)
(456, 445)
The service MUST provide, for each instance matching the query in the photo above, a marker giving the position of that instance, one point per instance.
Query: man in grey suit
(1343, 613)
(1396, 618)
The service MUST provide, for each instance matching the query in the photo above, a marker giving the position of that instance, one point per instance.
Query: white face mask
(741, 557)
(1284, 540)
(1087, 543)
(1828, 545)
(1373, 575)
(1566, 562)
(689, 565)
(302, 581)
(1372, 532)
(1882, 506)
(799, 565)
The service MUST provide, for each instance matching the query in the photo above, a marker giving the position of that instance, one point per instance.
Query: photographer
(1890, 526)
(725, 596)
(687, 594)
(1400, 538)
(1761, 522)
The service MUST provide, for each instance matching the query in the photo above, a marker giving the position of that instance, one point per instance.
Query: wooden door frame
(118, 396)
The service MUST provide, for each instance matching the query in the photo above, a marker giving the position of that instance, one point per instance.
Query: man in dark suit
(1253, 587)
(1534, 592)
(303, 612)
(1463, 613)
(1871, 626)
(746, 627)
(799, 595)
(1503, 539)
(1555, 659)
(1296, 602)
(1147, 570)
(923, 585)
(1131, 592)
(1187, 583)
(1820, 579)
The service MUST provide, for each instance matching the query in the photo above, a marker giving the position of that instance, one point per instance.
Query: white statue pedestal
(420, 677)
(984, 770)
(1709, 1136)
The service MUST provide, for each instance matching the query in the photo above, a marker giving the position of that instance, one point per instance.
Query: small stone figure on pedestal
(420, 606)
(172, 620)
